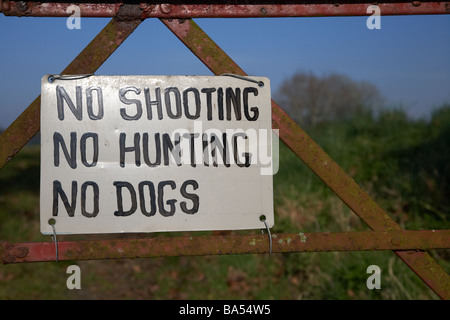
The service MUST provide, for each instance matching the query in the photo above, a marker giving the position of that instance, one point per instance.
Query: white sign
(155, 153)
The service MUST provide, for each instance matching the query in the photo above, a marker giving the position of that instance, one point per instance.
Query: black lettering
(177, 95)
(151, 189)
(83, 139)
(71, 158)
(208, 92)
(127, 101)
(220, 102)
(135, 148)
(95, 199)
(119, 186)
(235, 99)
(90, 110)
(191, 137)
(157, 161)
(171, 202)
(191, 196)
(247, 155)
(168, 145)
(254, 109)
(222, 147)
(186, 103)
(61, 96)
(58, 192)
(149, 103)
(205, 144)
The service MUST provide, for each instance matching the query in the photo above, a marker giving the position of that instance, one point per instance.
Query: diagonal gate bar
(315, 157)
(88, 61)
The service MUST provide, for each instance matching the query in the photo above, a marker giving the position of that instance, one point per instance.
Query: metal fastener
(396, 241)
(21, 252)
(22, 6)
(166, 8)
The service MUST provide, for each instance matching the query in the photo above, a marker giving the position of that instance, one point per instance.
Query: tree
(309, 99)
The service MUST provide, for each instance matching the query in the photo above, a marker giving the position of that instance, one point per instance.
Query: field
(403, 164)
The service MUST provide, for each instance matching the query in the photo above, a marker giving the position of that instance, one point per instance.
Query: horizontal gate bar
(88, 61)
(219, 244)
(224, 9)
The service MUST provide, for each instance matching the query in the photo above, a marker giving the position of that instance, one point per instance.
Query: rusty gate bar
(225, 9)
(88, 61)
(314, 157)
(219, 244)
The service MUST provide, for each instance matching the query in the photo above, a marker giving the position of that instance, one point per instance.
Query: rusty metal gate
(386, 234)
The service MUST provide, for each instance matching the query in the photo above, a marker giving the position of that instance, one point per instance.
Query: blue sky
(408, 58)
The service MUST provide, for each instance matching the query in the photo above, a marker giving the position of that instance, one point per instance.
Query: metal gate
(177, 16)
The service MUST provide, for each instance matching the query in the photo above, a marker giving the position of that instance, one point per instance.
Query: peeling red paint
(224, 244)
(235, 10)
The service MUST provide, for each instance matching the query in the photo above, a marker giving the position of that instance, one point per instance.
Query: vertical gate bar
(88, 61)
(315, 157)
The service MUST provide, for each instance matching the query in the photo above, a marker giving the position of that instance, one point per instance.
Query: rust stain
(217, 10)
(232, 244)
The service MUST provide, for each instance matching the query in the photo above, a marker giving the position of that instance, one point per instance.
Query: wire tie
(55, 240)
(54, 77)
(270, 236)
(260, 83)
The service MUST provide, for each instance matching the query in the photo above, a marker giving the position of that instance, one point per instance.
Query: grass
(402, 164)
